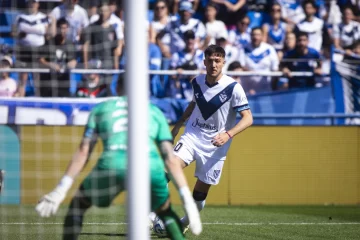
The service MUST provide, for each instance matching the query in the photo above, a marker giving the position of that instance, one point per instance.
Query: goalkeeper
(108, 120)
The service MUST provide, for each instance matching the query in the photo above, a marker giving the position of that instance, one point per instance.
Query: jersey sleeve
(239, 100)
(90, 128)
(163, 133)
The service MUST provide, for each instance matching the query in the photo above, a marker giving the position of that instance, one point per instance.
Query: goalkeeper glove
(49, 204)
(191, 211)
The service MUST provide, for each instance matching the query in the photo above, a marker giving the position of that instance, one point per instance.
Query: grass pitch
(242, 222)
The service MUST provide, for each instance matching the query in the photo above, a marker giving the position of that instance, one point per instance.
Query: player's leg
(99, 189)
(208, 172)
(160, 203)
(74, 217)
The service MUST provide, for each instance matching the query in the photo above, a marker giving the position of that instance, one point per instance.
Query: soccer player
(211, 124)
(108, 120)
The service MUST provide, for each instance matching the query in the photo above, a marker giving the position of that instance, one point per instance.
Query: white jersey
(34, 25)
(347, 34)
(315, 30)
(215, 112)
(78, 19)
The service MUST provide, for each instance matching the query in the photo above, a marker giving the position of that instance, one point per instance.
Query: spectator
(214, 28)
(290, 42)
(159, 23)
(175, 5)
(291, 11)
(352, 56)
(100, 42)
(30, 30)
(240, 37)
(312, 25)
(258, 11)
(302, 59)
(355, 5)
(231, 52)
(180, 86)
(157, 86)
(330, 13)
(261, 57)
(75, 15)
(190, 54)
(93, 85)
(116, 23)
(275, 30)
(59, 55)
(235, 67)
(7, 85)
(347, 32)
(186, 22)
(230, 10)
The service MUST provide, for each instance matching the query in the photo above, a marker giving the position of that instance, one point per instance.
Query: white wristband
(65, 183)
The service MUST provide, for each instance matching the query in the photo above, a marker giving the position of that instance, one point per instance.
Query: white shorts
(208, 169)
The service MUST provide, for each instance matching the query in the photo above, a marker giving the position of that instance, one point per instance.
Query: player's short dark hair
(302, 34)
(214, 50)
(62, 21)
(234, 65)
(306, 2)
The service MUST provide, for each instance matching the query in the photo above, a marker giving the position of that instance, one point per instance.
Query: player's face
(214, 65)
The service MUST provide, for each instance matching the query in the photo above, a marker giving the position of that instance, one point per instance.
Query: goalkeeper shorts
(102, 186)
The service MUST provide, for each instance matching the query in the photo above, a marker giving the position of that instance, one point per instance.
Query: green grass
(243, 222)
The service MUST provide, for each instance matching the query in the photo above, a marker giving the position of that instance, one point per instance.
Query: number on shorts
(177, 147)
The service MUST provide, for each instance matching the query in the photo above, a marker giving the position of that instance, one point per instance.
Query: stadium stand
(168, 22)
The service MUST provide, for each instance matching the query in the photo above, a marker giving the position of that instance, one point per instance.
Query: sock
(74, 219)
(172, 224)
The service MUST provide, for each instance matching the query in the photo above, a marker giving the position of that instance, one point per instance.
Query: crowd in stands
(257, 35)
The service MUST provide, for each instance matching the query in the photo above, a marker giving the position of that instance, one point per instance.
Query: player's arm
(245, 122)
(49, 204)
(187, 113)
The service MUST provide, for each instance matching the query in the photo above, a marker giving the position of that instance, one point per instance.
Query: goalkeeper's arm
(177, 175)
(49, 203)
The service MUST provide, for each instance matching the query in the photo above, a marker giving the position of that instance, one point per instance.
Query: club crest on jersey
(222, 97)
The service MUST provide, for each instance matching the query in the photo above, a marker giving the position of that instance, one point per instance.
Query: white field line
(206, 223)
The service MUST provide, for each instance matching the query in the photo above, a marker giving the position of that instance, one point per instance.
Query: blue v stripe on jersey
(208, 108)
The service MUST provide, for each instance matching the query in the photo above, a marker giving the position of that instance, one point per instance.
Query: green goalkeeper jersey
(108, 120)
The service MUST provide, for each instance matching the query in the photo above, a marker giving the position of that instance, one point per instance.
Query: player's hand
(220, 139)
(194, 217)
(191, 211)
(49, 204)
